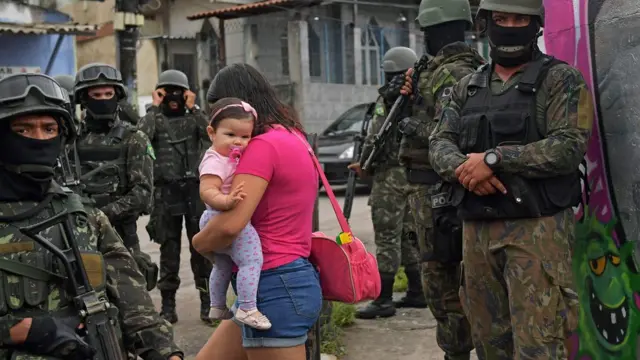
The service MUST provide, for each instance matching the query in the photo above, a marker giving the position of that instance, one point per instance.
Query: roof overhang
(254, 9)
(47, 29)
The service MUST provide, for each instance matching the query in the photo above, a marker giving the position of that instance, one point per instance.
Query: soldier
(394, 235)
(116, 160)
(513, 135)
(47, 296)
(178, 131)
(443, 23)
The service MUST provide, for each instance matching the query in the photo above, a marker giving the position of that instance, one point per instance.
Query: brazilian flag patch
(150, 151)
(379, 109)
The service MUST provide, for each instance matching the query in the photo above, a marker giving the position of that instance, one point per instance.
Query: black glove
(51, 337)
(147, 267)
(391, 91)
(408, 126)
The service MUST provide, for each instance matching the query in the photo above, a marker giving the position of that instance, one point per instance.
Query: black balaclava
(512, 46)
(438, 36)
(101, 114)
(26, 168)
(177, 95)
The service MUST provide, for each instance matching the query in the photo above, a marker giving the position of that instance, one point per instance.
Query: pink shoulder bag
(348, 272)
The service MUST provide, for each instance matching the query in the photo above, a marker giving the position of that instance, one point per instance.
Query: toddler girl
(230, 130)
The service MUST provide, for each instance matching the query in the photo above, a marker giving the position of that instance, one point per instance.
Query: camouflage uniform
(518, 288)
(36, 285)
(393, 228)
(440, 279)
(116, 166)
(179, 141)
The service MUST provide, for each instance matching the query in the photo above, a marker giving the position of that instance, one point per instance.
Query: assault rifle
(401, 102)
(100, 319)
(70, 172)
(358, 142)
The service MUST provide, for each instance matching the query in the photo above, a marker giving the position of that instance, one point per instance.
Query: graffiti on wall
(602, 39)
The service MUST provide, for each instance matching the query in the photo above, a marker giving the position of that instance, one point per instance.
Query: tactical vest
(177, 146)
(388, 157)
(104, 166)
(490, 120)
(33, 280)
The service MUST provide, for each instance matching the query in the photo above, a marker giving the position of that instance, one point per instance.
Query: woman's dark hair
(236, 112)
(243, 81)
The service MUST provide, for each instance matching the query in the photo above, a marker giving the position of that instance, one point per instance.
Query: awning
(167, 37)
(253, 9)
(48, 28)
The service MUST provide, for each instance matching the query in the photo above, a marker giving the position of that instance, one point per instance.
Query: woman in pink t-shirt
(281, 184)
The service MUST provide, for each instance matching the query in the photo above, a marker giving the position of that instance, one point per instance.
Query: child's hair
(231, 108)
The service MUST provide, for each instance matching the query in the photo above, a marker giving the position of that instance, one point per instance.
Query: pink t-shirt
(215, 164)
(283, 218)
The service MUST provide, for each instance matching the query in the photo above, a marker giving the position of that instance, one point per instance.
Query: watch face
(491, 158)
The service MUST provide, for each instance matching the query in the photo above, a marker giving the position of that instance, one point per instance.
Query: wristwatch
(492, 158)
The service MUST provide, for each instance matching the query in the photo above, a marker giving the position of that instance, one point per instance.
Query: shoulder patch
(150, 151)
(379, 109)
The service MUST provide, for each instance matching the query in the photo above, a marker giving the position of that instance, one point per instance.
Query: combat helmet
(67, 82)
(97, 74)
(399, 59)
(523, 7)
(173, 78)
(23, 94)
(434, 12)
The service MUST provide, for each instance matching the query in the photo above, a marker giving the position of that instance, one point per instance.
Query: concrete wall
(102, 49)
(35, 50)
(323, 103)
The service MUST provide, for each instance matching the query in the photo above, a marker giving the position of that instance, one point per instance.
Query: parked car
(336, 142)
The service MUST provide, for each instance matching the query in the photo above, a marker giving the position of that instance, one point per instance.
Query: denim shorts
(290, 296)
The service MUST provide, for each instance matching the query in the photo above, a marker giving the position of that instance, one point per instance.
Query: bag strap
(344, 225)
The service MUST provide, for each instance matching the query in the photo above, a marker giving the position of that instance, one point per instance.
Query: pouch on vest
(447, 241)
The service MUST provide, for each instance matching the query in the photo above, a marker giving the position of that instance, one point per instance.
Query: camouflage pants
(440, 282)
(170, 226)
(518, 288)
(395, 237)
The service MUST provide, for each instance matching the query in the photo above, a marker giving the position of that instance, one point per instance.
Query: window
(315, 55)
(349, 122)
(371, 54)
(284, 51)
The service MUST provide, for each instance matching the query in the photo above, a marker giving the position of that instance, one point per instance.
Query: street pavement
(408, 336)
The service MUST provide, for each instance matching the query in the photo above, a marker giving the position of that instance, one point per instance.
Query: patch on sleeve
(585, 109)
(446, 93)
(150, 151)
(379, 109)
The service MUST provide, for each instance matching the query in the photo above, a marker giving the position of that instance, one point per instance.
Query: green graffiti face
(606, 279)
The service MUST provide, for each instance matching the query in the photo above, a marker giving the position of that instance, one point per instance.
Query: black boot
(168, 311)
(205, 304)
(415, 294)
(383, 305)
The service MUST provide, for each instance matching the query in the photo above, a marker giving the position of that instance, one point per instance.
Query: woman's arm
(223, 228)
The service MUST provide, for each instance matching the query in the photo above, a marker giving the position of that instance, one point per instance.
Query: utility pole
(127, 23)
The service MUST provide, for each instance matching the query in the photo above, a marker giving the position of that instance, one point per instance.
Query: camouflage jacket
(564, 110)
(130, 186)
(452, 63)
(111, 271)
(179, 143)
(389, 155)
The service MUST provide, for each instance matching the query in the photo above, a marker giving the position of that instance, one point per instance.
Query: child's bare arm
(210, 192)
(211, 195)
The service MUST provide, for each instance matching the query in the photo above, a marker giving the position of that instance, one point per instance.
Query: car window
(349, 122)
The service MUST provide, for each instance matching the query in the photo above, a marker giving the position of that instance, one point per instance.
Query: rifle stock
(381, 137)
(358, 142)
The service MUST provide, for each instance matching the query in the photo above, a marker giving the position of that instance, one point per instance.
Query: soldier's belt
(421, 176)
